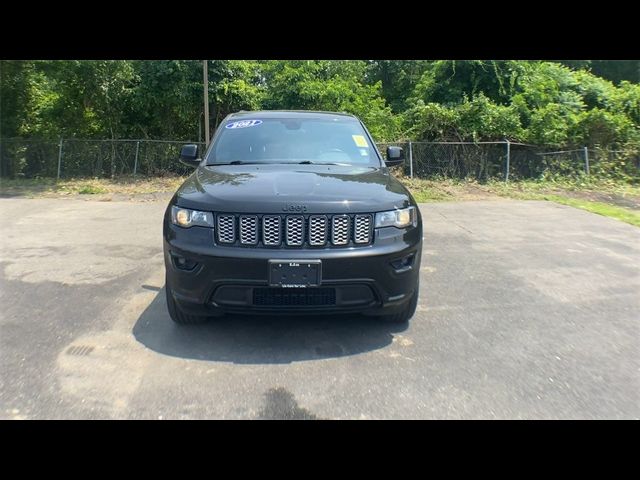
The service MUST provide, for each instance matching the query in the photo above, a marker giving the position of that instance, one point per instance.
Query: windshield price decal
(243, 124)
(360, 141)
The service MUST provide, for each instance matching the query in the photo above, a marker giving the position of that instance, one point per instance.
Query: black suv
(292, 212)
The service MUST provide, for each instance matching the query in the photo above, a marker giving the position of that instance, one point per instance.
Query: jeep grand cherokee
(292, 212)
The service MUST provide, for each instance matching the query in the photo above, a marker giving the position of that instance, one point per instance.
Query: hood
(293, 189)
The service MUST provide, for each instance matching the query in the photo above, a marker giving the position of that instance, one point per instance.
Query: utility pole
(206, 101)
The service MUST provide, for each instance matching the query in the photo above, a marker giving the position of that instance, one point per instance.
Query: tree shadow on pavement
(264, 339)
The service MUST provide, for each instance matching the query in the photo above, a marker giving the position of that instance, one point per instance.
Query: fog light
(403, 263)
(183, 263)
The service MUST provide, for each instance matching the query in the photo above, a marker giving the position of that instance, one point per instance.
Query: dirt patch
(127, 197)
(444, 190)
(466, 192)
(626, 201)
(101, 190)
(472, 191)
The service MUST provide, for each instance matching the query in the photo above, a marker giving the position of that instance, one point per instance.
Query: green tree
(398, 77)
(569, 102)
(329, 85)
(15, 96)
(236, 85)
(617, 70)
(81, 98)
(16, 78)
(450, 81)
(167, 99)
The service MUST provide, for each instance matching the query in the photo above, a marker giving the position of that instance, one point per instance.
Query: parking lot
(527, 310)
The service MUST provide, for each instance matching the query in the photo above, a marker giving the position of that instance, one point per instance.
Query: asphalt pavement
(527, 310)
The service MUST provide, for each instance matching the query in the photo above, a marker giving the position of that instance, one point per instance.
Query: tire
(405, 315)
(177, 315)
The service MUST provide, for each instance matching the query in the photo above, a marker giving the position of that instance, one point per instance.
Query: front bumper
(375, 279)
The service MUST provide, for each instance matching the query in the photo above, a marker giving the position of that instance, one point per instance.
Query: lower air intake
(294, 297)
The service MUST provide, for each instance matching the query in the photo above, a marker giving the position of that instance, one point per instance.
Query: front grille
(286, 231)
(226, 228)
(362, 229)
(249, 230)
(287, 297)
(295, 230)
(318, 230)
(271, 230)
(340, 229)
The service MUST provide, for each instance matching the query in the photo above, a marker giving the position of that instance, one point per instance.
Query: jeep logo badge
(294, 208)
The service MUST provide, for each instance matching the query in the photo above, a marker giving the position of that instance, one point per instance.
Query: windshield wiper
(304, 162)
(236, 162)
(309, 162)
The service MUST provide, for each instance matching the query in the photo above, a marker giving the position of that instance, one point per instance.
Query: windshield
(313, 140)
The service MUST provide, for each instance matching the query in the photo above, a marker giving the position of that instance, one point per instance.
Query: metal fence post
(506, 173)
(59, 158)
(586, 160)
(135, 163)
(410, 160)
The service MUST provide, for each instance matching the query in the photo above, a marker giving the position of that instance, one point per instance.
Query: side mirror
(189, 155)
(395, 156)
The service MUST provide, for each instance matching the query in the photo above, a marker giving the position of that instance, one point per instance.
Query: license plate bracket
(295, 273)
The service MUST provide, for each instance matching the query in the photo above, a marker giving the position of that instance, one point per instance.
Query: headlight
(183, 217)
(397, 218)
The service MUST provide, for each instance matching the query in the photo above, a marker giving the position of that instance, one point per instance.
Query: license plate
(294, 273)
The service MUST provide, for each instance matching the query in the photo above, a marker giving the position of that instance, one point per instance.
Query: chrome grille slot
(249, 230)
(271, 230)
(340, 230)
(317, 230)
(226, 226)
(362, 228)
(294, 228)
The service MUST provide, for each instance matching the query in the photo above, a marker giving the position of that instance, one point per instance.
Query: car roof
(287, 114)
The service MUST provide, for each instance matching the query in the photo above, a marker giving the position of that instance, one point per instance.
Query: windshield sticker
(243, 124)
(360, 141)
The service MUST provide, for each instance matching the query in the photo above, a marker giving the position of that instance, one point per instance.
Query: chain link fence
(68, 158)
(455, 160)
(512, 161)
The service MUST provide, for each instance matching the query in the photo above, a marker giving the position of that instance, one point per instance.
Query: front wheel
(177, 315)
(405, 314)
